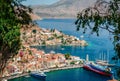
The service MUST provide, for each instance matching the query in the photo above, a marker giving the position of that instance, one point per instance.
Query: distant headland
(35, 36)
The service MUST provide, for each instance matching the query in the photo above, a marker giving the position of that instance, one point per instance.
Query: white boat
(104, 61)
(40, 75)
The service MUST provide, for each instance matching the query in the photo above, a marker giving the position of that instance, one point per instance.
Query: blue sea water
(96, 47)
(78, 74)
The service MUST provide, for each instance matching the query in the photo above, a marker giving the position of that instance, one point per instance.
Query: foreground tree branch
(105, 14)
(12, 16)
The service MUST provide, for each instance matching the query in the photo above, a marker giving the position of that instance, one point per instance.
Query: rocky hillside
(34, 16)
(35, 35)
(63, 8)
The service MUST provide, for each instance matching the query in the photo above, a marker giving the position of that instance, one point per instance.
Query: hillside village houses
(31, 59)
(41, 36)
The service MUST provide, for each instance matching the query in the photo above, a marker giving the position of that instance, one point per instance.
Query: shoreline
(63, 68)
(58, 18)
(13, 76)
(44, 70)
(58, 45)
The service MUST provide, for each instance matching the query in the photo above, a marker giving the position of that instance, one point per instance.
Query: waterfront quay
(30, 59)
(43, 70)
(13, 76)
(62, 68)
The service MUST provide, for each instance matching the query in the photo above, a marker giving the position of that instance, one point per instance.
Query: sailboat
(104, 61)
(92, 66)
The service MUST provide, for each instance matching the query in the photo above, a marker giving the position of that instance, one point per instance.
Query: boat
(103, 70)
(104, 61)
(40, 75)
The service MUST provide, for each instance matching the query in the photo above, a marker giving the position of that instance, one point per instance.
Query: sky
(39, 2)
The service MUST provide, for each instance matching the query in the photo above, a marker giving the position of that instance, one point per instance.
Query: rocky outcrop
(34, 16)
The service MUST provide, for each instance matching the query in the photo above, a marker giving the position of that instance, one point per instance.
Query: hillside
(34, 16)
(62, 8)
(35, 35)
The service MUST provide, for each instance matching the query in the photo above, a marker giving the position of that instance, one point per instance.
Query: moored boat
(103, 70)
(39, 75)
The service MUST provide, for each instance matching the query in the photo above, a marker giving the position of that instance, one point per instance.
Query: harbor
(75, 62)
(44, 70)
(72, 66)
(51, 59)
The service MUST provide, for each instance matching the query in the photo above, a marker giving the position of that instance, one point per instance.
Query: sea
(99, 47)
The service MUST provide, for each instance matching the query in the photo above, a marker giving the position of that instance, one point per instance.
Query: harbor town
(60, 40)
(31, 59)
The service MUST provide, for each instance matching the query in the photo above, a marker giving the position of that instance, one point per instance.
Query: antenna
(87, 58)
(108, 56)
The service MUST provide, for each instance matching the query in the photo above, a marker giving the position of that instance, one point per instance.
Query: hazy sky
(39, 2)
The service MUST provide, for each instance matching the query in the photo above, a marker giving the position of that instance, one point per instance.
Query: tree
(105, 14)
(34, 31)
(13, 15)
(67, 56)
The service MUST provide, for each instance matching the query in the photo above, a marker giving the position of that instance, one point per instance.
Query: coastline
(13, 76)
(58, 18)
(44, 70)
(59, 45)
(63, 68)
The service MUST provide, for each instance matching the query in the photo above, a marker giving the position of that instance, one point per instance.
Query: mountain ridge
(62, 8)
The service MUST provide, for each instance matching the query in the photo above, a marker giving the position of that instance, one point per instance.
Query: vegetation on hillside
(67, 56)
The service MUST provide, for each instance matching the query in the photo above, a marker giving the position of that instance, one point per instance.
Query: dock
(62, 68)
(43, 70)
(13, 76)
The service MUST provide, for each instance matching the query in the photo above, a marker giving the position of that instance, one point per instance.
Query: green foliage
(52, 30)
(55, 35)
(44, 43)
(67, 56)
(81, 62)
(30, 52)
(105, 14)
(29, 71)
(12, 16)
(51, 38)
(118, 72)
(34, 31)
(63, 41)
(100, 19)
(73, 62)
(60, 36)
